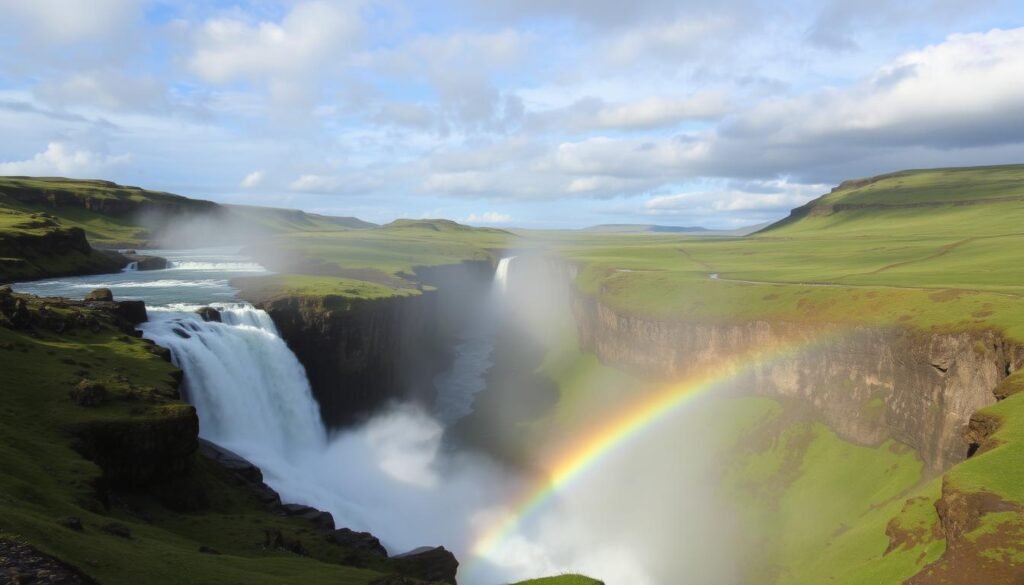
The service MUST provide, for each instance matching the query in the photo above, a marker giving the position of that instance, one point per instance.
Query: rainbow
(616, 432)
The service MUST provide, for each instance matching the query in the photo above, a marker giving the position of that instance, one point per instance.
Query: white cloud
(70, 21)
(253, 180)
(963, 91)
(309, 44)
(487, 217)
(675, 40)
(64, 160)
(106, 88)
(592, 114)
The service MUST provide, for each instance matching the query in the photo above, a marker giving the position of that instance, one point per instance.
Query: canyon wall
(869, 384)
(359, 354)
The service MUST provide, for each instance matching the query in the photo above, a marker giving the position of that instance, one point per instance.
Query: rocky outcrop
(100, 294)
(135, 453)
(429, 563)
(363, 549)
(55, 252)
(359, 354)
(209, 314)
(145, 262)
(869, 384)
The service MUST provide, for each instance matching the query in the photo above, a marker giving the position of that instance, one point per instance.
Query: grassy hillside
(165, 523)
(950, 260)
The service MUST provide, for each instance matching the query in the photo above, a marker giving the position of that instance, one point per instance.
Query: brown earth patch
(908, 537)
(993, 557)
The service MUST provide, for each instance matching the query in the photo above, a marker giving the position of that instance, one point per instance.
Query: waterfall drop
(501, 275)
(249, 389)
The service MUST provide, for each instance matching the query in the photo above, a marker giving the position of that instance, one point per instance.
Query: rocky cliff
(361, 353)
(867, 383)
(52, 251)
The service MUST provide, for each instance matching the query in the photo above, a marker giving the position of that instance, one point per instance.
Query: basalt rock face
(138, 453)
(869, 384)
(360, 354)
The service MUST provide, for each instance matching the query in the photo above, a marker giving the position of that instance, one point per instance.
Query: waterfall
(130, 267)
(249, 389)
(457, 388)
(501, 275)
(389, 476)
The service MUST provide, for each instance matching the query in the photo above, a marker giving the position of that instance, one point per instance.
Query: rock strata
(867, 383)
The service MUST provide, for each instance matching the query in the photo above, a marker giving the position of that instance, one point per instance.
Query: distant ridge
(642, 227)
(917, 189)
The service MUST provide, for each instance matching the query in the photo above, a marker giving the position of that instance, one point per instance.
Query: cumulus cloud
(65, 160)
(70, 21)
(459, 68)
(487, 218)
(311, 41)
(253, 180)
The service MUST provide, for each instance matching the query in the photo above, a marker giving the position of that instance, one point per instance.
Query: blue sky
(531, 113)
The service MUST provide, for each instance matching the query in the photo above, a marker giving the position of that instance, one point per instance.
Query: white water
(249, 389)
(501, 274)
(130, 267)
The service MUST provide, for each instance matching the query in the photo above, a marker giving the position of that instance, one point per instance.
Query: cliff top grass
(930, 249)
(374, 263)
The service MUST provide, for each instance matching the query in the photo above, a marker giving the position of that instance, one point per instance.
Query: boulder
(209, 314)
(100, 294)
(133, 312)
(358, 542)
(429, 564)
(89, 393)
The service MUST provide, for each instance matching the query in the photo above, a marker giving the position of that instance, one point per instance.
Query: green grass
(562, 580)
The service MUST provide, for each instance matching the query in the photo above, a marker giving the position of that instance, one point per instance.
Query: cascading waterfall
(501, 275)
(391, 476)
(249, 389)
(130, 267)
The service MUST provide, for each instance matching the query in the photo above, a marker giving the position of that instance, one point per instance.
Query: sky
(525, 113)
